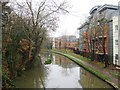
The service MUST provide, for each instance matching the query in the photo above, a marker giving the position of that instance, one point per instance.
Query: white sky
(79, 11)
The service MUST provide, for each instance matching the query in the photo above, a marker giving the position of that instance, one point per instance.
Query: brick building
(66, 42)
(96, 34)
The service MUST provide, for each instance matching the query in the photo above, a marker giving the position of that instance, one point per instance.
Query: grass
(88, 68)
(73, 54)
(115, 74)
(100, 64)
(80, 57)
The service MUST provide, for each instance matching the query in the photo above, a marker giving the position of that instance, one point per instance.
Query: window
(116, 27)
(116, 42)
(116, 56)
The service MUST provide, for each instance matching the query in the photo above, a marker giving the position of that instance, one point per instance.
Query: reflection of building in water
(53, 62)
(88, 80)
(64, 62)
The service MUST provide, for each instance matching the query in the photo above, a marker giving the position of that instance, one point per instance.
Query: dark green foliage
(23, 33)
(28, 65)
(6, 82)
(48, 61)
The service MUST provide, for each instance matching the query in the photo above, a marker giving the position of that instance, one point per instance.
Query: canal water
(61, 73)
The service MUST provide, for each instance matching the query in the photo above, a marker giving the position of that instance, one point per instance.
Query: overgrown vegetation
(25, 29)
(48, 61)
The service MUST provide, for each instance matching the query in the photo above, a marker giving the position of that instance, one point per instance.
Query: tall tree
(24, 32)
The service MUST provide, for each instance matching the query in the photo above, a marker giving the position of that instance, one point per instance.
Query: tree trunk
(104, 54)
(93, 52)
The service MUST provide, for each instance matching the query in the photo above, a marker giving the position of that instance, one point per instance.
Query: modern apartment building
(71, 41)
(66, 41)
(115, 40)
(119, 33)
(108, 11)
(82, 36)
(99, 30)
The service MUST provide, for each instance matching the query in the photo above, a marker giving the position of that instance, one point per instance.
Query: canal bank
(94, 70)
(61, 73)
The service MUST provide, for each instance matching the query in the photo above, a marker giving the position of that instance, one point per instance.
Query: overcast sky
(79, 11)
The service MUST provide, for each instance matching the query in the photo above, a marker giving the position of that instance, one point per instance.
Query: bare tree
(92, 31)
(25, 27)
(99, 37)
(38, 20)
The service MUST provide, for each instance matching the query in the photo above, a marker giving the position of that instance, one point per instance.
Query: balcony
(102, 36)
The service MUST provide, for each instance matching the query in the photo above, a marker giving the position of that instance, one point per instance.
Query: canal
(61, 73)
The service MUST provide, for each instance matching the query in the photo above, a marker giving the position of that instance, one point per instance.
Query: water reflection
(61, 73)
(88, 80)
(32, 78)
(64, 62)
